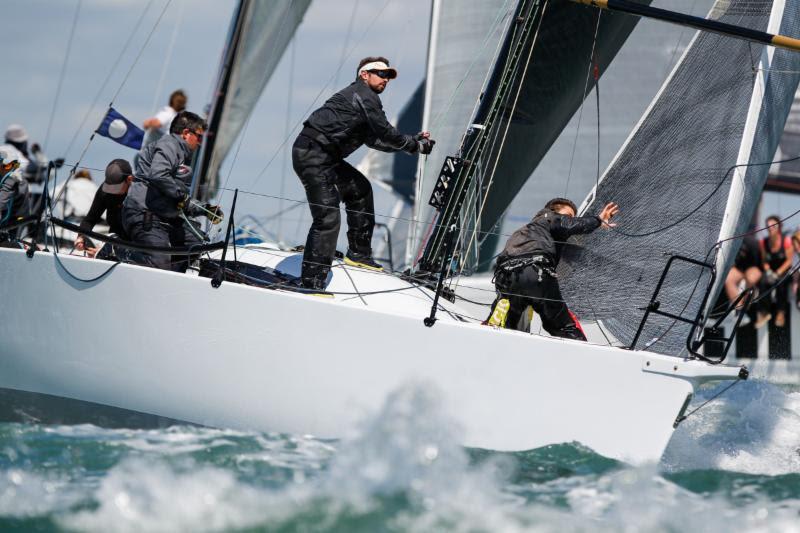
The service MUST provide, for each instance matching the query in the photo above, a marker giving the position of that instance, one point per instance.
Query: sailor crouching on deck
(350, 118)
(525, 272)
(155, 210)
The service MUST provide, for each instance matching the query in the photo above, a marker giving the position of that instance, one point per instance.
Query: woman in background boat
(776, 250)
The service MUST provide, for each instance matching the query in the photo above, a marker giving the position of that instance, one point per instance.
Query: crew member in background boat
(349, 119)
(745, 274)
(156, 208)
(75, 196)
(776, 251)
(33, 163)
(14, 195)
(796, 275)
(158, 126)
(108, 199)
(525, 272)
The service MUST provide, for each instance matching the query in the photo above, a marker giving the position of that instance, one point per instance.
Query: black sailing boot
(362, 261)
(312, 281)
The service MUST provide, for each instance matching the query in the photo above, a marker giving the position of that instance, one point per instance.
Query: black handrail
(177, 250)
(692, 344)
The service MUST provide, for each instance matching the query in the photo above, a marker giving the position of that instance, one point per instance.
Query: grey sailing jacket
(545, 235)
(162, 178)
(352, 117)
(14, 197)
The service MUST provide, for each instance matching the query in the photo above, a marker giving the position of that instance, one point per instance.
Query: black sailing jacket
(545, 235)
(352, 117)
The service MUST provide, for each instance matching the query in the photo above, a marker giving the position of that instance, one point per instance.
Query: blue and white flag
(120, 129)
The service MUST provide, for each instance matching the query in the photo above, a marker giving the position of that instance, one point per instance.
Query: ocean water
(733, 466)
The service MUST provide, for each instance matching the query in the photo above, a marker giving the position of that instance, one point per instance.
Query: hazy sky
(184, 52)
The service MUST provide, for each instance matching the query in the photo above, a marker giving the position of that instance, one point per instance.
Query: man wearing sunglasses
(349, 119)
(156, 208)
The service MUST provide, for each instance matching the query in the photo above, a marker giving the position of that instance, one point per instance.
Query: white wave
(410, 448)
(28, 494)
(753, 428)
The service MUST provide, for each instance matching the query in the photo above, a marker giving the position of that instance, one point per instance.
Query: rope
(63, 72)
(111, 103)
(583, 99)
(316, 98)
(81, 280)
(508, 123)
(141, 51)
(717, 395)
(108, 79)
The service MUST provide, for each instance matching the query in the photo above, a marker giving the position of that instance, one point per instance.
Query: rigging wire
(170, 49)
(511, 114)
(108, 77)
(111, 103)
(317, 97)
(287, 121)
(63, 73)
(583, 100)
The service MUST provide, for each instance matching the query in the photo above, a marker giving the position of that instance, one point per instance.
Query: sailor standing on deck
(350, 118)
(525, 272)
(155, 210)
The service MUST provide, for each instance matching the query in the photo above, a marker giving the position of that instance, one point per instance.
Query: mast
(462, 170)
(731, 30)
(199, 191)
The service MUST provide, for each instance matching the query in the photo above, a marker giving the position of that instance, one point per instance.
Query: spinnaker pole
(682, 19)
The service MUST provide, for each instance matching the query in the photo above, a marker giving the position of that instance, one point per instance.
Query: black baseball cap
(116, 173)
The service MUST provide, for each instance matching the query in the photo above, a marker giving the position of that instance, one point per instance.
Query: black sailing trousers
(328, 181)
(145, 227)
(536, 287)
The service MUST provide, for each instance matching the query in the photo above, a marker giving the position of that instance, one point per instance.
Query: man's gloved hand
(213, 213)
(425, 146)
(183, 202)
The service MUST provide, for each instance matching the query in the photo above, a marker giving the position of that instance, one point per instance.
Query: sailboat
(233, 345)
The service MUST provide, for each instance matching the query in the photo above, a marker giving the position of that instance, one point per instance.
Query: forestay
(689, 175)
(548, 87)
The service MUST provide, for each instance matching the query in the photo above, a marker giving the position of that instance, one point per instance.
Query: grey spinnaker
(259, 34)
(689, 176)
(555, 83)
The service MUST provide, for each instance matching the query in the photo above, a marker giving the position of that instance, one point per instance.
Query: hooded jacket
(162, 178)
(545, 235)
(352, 117)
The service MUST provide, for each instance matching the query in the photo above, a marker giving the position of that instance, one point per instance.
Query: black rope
(705, 200)
(76, 278)
(177, 250)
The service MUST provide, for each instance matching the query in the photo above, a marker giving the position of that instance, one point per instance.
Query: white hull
(243, 357)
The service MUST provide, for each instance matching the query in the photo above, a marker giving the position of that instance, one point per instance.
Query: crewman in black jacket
(525, 272)
(350, 118)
